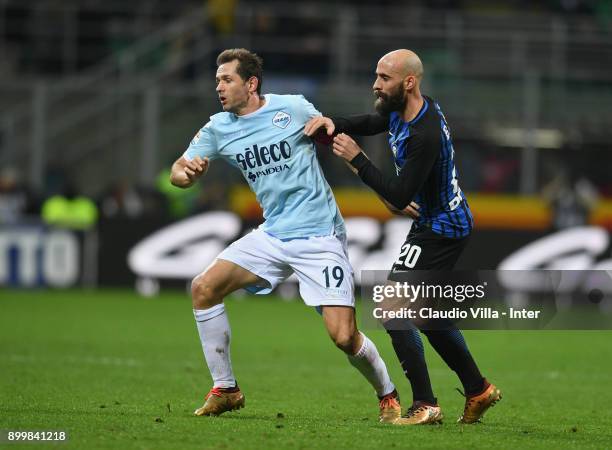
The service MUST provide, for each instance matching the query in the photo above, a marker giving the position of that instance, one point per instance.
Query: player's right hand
(412, 211)
(195, 168)
(318, 122)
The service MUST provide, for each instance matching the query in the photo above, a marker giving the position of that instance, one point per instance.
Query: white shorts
(320, 263)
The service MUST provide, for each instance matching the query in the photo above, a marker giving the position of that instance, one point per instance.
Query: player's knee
(204, 292)
(344, 340)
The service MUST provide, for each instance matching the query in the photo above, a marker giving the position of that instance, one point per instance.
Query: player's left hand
(319, 123)
(345, 147)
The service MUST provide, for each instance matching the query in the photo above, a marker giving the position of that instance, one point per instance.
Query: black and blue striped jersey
(425, 168)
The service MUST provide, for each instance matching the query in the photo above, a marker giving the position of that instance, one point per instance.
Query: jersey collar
(421, 111)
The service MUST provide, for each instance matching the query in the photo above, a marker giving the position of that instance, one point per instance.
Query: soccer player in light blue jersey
(303, 231)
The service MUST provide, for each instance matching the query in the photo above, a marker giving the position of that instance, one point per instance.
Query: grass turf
(117, 371)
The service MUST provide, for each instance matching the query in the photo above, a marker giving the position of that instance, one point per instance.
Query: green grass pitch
(118, 371)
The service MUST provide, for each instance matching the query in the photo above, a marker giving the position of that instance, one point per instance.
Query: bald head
(403, 63)
(398, 77)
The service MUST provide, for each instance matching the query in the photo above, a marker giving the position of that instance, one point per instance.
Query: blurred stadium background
(98, 98)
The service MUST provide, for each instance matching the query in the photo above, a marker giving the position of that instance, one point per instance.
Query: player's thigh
(261, 255)
(222, 278)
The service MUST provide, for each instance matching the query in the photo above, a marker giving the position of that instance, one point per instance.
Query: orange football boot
(390, 409)
(219, 400)
(421, 413)
(477, 405)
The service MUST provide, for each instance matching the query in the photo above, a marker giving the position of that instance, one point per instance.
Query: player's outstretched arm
(361, 124)
(398, 190)
(185, 173)
(321, 128)
(412, 210)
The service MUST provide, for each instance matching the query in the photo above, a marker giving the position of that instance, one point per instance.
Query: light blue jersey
(278, 161)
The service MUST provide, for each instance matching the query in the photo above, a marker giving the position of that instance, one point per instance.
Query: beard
(385, 104)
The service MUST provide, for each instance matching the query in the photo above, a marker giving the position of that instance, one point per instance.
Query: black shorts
(426, 250)
(434, 256)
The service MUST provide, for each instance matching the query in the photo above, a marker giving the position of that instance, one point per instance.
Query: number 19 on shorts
(409, 255)
(337, 276)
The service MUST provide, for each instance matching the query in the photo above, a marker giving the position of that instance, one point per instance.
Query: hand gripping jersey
(425, 166)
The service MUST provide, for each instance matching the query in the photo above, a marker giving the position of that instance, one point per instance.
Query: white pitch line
(92, 360)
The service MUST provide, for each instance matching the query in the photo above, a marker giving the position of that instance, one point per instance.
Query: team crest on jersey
(281, 119)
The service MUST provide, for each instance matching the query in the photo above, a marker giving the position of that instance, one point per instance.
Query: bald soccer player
(423, 153)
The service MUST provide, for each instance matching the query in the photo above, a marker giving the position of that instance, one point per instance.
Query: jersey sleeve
(400, 190)
(362, 124)
(203, 144)
(306, 110)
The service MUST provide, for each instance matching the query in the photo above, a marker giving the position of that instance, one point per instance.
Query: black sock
(451, 346)
(408, 347)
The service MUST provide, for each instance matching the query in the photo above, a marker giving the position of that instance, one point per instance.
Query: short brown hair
(249, 64)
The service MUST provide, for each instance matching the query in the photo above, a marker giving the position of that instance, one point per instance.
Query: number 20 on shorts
(409, 255)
